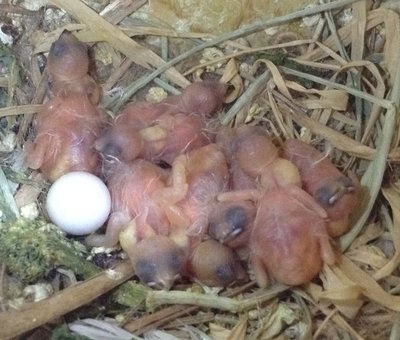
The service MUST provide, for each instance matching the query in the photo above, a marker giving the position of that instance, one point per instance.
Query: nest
(338, 89)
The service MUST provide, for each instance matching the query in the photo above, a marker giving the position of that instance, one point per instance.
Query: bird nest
(337, 88)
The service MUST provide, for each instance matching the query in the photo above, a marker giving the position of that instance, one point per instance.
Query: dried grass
(352, 106)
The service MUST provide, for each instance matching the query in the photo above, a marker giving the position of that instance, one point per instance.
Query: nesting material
(336, 90)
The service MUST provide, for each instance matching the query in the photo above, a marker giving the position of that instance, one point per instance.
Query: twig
(191, 320)
(7, 201)
(118, 10)
(251, 51)
(2, 286)
(158, 298)
(387, 104)
(247, 97)
(37, 99)
(395, 332)
(3, 81)
(20, 110)
(16, 9)
(15, 323)
(257, 26)
(161, 317)
(116, 38)
(372, 178)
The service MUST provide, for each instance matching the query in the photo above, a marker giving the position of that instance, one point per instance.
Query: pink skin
(336, 193)
(202, 98)
(255, 168)
(68, 67)
(163, 131)
(215, 264)
(227, 139)
(289, 241)
(122, 140)
(70, 121)
(196, 179)
(154, 208)
(179, 133)
(146, 223)
(66, 131)
(136, 190)
(188, 128)
(205, 172)
(68, 59)
(253, 150)
(157, 260)
(254, 160)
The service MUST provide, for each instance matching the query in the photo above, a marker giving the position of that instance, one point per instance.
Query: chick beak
(163, 283)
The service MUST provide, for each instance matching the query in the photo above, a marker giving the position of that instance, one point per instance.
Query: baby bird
(145, 222)
(70, 121)
(289, 241)
(335, 192)
(255, 167)
(205, 172)
(134, 189)
(161, 132)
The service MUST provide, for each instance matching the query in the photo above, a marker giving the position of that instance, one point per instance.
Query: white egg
(78, 202)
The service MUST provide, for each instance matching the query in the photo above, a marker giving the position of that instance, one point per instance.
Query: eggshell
(78, 202)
